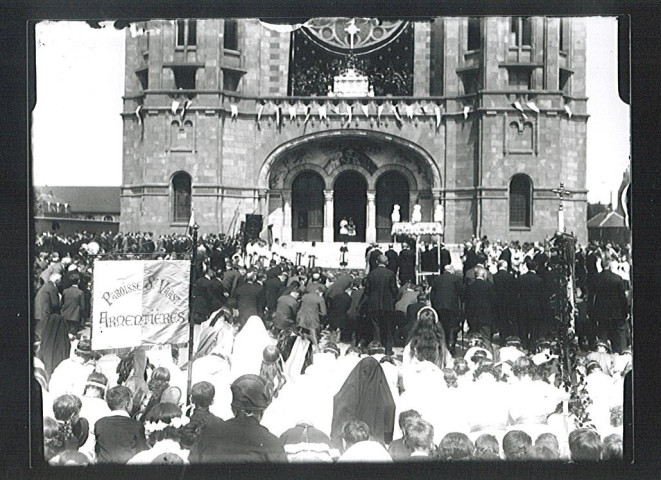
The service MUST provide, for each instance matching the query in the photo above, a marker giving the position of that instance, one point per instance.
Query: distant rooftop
(607, 219)
(85, 199)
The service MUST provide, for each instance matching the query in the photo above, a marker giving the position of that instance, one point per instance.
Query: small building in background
(608, 226)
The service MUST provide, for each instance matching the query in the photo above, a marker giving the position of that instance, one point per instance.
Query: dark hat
(250, 392)
(84, 347)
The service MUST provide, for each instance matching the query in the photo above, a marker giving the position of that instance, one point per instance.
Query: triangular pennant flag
(467, 110)
(185, 107)
(437, 112)
(423, 110)
(409, 111)
(277, 114)
(533, 107)
(366, 110)
(191, 221)
(234, 109)
(259, 112)
(336, 109)
(396, 110)
(519, 107)
(379, 111)
(137, 113)
(350, 111)
(568, 110)
(308, 110)
(322, 112)
(292, 113)
(175, 106)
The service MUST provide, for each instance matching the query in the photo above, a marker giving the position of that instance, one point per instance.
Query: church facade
(304, 126)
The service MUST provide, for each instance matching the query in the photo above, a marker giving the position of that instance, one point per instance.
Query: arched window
(520, 201)
(181, 197)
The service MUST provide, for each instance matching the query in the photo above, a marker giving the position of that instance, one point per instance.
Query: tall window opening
(181, 197)
(520, 201)
(474, 35)
(231, 35)
(186, 33)
(521, 30)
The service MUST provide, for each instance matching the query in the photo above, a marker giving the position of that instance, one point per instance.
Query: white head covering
(249, 345)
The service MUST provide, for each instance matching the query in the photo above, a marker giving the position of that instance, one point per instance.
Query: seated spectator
(53, 439)
(550, 441)
(163, 426)
(357, 444)
(118, 437)
(399, 449)
(74, 429)
(242, 438)
(612, 448)
(540, 452)
(305, 443)
(419, 437)
(455, 446)
(202, 397)
(486, 443)
(516, 445)
(585, 445)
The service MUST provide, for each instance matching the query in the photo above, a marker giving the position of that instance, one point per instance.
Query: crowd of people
(295, 363)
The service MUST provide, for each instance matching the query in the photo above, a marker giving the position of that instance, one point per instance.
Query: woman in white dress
(249, 344)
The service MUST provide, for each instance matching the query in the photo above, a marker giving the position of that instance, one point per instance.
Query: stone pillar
(263, 207)
(286, 216)
(370, 233)
(328, 216)
(437, 201)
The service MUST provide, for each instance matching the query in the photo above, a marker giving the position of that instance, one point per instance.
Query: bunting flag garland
(423, 110)
(396, 110)
(277, 115)
(365, 109)
(175, 106)
(533, 106)
(292, 113)
(137, 114)
(308, 110)
(409, 111)
(518, 106)
(185, 107)
(234, 109)
(467, 110)
(323, 114)
(259, 112)
(379, 111)
(568, 110)
(437, 112)
(349, 111)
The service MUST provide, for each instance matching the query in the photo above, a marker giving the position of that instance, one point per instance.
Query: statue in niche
(416, 216)
(395, 216)
(438, 213)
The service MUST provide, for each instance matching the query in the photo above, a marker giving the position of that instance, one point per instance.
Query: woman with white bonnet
(249, 344)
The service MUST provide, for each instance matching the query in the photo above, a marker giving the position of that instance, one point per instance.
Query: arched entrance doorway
(350, 202)
(392, 188)
(307, 207)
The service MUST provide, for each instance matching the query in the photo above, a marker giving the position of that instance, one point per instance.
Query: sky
(77, 128)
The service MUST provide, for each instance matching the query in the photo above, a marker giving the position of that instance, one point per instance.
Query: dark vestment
(610, 308)
(273, 288)
(202, 300)
(118, 439)
(445, 296)
(380, 293)
(238, 440)
(338, 307)
(393, 260)
(446, 258)
(470, 259)
(531, 308)
(506, 295)
(250, 300)
(506, 255)
(407, 266)
(365, 396)
(55, 345)
(480, 299)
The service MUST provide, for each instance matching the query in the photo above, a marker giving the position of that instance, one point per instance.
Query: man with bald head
(380, 294)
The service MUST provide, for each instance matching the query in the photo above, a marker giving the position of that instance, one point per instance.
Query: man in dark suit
(372, 258)
(273, 288)
(446, 292)
(393, 259)
(531, 305)
(481, 305)
(73, 304)
(249, 298)
(506, 294)
(203, 297)
(446, 258)
(380, 294)
(506, 255)
(286, 309)
(46, 302)
(470, 256)
(231, 279)
(406, 264)
(481, 264)
(218, 260)
(118, 436)
(610, 306)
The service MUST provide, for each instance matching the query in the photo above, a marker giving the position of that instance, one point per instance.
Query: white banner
(139, 302)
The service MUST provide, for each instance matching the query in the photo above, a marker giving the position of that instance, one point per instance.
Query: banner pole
(191, 324)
